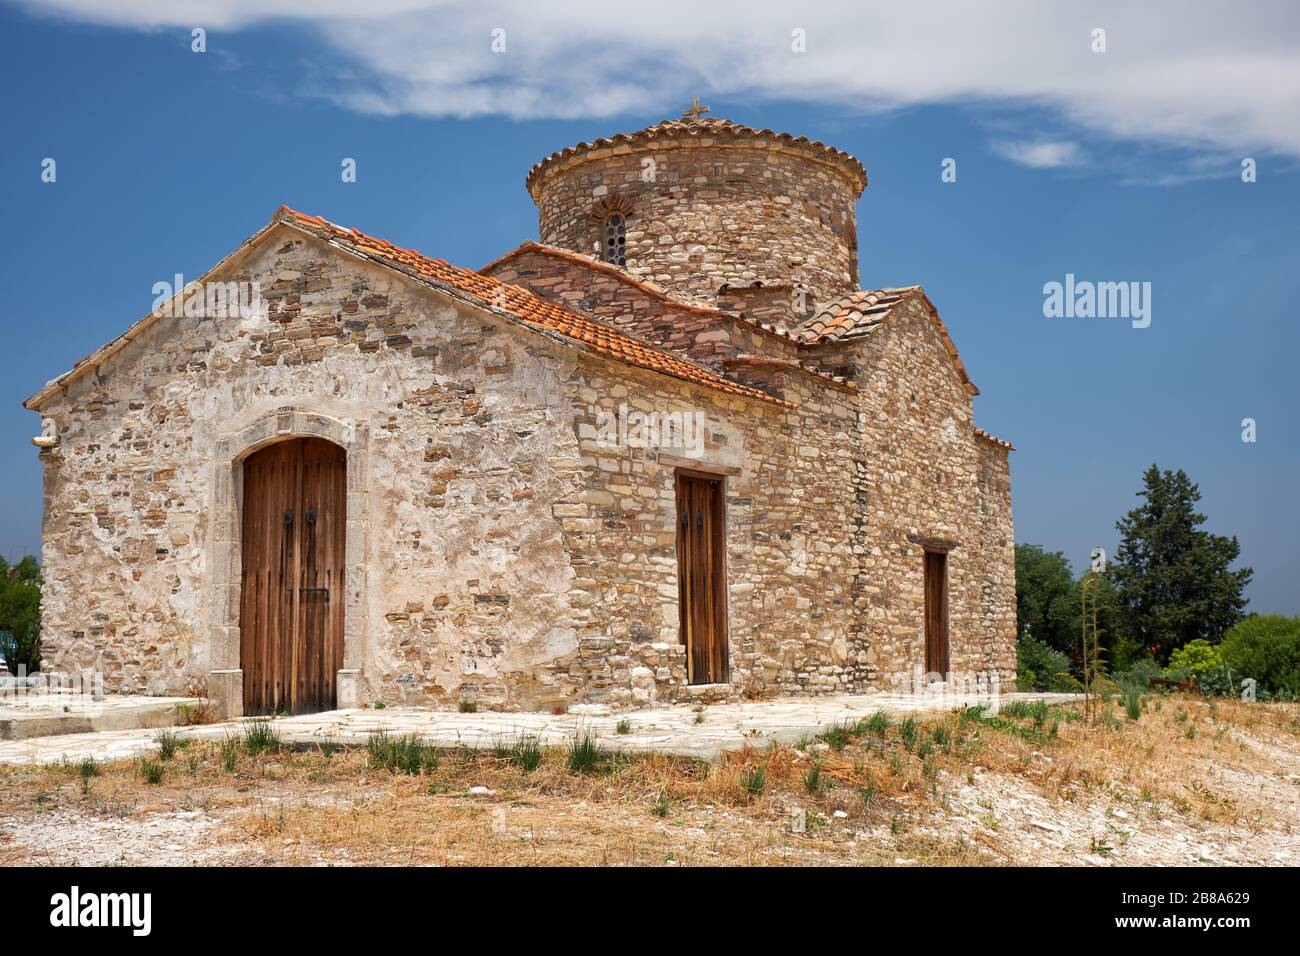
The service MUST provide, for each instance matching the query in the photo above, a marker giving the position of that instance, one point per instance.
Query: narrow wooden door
(292, 598)
(936, 613)
(702, 576)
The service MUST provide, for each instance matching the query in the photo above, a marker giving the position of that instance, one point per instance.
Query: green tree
(20, 614)
(1173, 578)
(1047, 603)
(1267, 648)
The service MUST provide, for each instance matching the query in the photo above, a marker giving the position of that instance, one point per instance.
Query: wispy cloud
(1197, 75)
(1041, 154)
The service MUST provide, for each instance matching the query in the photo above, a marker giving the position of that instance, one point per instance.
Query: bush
(1139, 676)
(1267, 648)
(1041, 668)
(1196, 659)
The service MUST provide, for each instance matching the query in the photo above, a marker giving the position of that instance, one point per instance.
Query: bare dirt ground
(1189, 782)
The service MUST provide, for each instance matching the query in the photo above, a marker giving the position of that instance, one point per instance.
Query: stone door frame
(225, 675)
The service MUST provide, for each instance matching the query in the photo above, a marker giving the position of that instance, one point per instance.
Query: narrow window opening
(614, 239)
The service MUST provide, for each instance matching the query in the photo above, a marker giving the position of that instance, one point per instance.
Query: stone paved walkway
(668, 729)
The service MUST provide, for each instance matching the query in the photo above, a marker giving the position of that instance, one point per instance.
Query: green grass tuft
(151, 770)
(754, 780)
(260, 737)
(584, 754)
(169, 743)
(838, 736)
(908, 731)
(408, 754)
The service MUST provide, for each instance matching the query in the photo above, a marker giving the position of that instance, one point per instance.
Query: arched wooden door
(291, 604)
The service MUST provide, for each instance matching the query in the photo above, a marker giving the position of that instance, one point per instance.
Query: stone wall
(998, 547)
(928, 478)
(463, 446)
(510, 556)
(790, 541)
(727, 208)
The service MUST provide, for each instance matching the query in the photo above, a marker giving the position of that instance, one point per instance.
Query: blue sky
(168, 159)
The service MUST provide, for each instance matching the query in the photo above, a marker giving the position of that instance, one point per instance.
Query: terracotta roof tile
(524, 306)
(701, 129)
(673, 300)
(981, 433)
(857, 314)
(851, 315)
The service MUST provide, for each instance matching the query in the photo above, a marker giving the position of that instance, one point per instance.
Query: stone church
(669, 452)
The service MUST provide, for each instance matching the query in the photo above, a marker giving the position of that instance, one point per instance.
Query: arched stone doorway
(293, 576)
(341, 450)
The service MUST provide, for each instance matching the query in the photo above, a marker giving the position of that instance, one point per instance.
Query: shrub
(754, 780)
(1040, 668)
(151, 770)
(1266, 647)
(1195, 659)
(467, 706)
(1139, 676)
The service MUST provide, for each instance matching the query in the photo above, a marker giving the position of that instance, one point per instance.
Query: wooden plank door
(292, 599)
(702, 576)
(936, 613)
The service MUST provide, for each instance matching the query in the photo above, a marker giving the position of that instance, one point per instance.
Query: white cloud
(1043, 154)
(1201, 74)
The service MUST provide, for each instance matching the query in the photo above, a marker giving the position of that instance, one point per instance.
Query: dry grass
(871, 798)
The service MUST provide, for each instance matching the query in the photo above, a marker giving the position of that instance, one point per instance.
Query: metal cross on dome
(693, 111)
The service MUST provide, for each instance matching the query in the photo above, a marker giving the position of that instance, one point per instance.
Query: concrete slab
(53, 713)
(678, 729)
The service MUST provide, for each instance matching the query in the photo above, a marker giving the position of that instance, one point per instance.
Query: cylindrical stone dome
(698, 204)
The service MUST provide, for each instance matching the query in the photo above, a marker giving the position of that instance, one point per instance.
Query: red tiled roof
(523, 305)
(600, 265)
(699, 130)
(852, 315)
(658, 292)
(859, 313)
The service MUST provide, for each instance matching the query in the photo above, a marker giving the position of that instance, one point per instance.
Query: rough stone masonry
(499, 548)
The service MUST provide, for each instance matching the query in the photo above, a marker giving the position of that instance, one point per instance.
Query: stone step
(27, 715)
